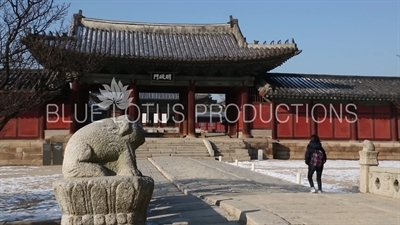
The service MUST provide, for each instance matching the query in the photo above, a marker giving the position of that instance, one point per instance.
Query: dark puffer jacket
(311, 147)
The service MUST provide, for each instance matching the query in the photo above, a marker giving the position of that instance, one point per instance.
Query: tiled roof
(167, 96)
(160, 96)
(177, 42)
(310, 86)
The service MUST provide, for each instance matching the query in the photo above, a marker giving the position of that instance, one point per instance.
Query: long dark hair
(314, 138)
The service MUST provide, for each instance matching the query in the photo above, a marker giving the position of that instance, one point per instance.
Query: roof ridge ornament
(79, 15)
(77, 18)
(233, 21)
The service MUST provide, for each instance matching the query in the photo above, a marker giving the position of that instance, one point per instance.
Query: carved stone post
(102, 184)
(368, 158)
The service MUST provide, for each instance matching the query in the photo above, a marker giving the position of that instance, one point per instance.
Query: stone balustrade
(374, 179)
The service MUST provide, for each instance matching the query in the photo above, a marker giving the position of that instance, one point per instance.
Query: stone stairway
(186, 147)
(230, 149)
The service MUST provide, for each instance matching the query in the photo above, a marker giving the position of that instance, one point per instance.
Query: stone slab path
(171, 206)
(168, 206)
(258, 199)
(193, 191)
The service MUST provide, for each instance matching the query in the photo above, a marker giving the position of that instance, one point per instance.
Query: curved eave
(337, 97)
(250, 56)
(283, 56)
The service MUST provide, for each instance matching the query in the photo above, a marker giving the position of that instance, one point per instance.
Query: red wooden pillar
(274, 126)
(183, 98)
(312, 118)
(74, 106)
(191, 110)
(42, 121)
(393, 124)
(232, 100)
(353, 128)
(83, 108)
(236, 111)
(245, 112)
(177, 116)
(228, 111)
(134, 109)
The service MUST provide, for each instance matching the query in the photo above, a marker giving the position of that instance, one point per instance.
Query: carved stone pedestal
(368, 158)
(112, 200)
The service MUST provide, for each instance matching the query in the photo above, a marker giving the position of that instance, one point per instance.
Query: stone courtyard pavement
(212, 192)
(258, 199)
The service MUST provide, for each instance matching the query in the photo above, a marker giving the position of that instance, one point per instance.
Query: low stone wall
(384, 181)
(20, 152)
(344, 150)
(254, 144)
(26, 152)
(377, 180)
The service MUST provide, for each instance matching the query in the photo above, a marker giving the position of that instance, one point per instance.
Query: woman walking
(315, 158)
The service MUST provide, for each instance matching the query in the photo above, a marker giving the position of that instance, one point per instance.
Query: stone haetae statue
(104, 148)
(102, 184)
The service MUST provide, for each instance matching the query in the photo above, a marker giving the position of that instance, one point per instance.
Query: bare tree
(34, 66)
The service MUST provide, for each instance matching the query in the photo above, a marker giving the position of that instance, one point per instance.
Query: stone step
(158, 149)
(191, 155)
(226, 154)
(241, 150)
(173, 147)
(226, 159)
(228, 143)
(143, 157)
(204, 158)
(166, 144)
(228, 140)
(173, 140)
(232, 159)
(171, 151)
(243, 158)
(172, 144)
(162, 152)
(191, 147)
(159, 154)
(191, 152)
(230, 149)
(183, 155)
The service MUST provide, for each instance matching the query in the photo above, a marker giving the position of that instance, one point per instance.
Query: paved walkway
(259, 199)
(212, 192)
(170, 206)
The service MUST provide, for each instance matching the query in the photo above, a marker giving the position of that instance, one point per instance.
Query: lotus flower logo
(115, 94)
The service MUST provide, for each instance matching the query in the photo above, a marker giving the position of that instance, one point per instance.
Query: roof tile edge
(232, 27)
